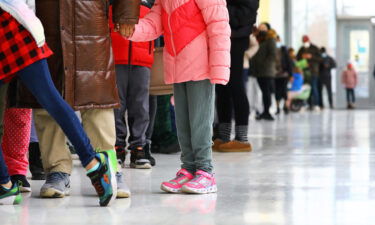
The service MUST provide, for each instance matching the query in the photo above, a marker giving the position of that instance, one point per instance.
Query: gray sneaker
(57, 185)
(123, 190)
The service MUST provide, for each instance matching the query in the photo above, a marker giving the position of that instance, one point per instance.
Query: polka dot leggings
(17, 125)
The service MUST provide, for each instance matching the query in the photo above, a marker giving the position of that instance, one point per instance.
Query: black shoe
(138, 159)
(267, 117)
(148, 155)
(278, 111)
(286, 111)
(259, 117)
(22, 182)
(36, 166)
(38, 176)
(121, 155)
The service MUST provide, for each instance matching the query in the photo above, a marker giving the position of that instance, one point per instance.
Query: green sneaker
(10, 196)
(104, 180)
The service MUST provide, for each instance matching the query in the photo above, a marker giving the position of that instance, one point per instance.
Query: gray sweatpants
(194, 103)
(133, 85)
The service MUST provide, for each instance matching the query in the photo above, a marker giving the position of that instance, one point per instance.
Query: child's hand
(125, 30)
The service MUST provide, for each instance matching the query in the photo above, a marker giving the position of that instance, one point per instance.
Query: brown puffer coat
(82, 66)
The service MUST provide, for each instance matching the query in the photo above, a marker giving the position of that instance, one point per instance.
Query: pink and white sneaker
(175, 185)
(203, 183)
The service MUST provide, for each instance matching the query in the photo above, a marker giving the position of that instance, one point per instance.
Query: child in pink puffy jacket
(196, 57)
(350, 81)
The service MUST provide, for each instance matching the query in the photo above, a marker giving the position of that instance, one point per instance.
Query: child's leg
(99, 125)
(37, 79)
(4, 175)
(54, 152)
(183, 126)
(353, 95)
(17, 125)
(137, 102)
(122, 78)
(201, 102)
(348, 95)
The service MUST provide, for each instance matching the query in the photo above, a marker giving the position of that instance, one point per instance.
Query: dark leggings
(232, 98)
(265, 84)
(37, 79)
(350, 95)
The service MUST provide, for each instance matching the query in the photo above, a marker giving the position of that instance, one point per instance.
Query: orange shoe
(235, 146)
(217, 144)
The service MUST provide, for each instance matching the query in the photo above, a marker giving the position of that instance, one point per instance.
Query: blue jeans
(37, 79)
(315, 91)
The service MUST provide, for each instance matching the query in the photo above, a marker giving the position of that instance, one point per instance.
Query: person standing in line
(263, 66)
(133, 63)
(15, 144)
(349, 79)
(312, 53)
(23, 54)
(249, 53)
(83, 70)
(232, 99)
(196, 57)
(325, 77)
(284, 68)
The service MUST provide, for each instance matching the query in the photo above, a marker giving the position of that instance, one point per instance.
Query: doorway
(356, 45)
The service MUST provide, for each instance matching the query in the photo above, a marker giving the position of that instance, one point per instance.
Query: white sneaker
(317, 109)
(123, 190)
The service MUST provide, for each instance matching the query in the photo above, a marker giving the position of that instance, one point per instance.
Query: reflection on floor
(306, 169)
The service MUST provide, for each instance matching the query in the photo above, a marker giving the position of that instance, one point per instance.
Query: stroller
(301, 100)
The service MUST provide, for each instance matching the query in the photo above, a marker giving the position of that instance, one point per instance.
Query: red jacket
(132, 53)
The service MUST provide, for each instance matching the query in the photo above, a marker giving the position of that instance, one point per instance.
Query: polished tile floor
(306, 169)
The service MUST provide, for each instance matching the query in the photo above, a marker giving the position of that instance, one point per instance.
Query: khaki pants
(99, 125)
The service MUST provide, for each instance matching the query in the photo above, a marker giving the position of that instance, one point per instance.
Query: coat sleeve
(216, 17)
(126, 11)
(150, 27)
(254, 47)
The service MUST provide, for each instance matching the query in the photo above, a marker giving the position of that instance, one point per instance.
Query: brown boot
(235, 146)
(217, 144)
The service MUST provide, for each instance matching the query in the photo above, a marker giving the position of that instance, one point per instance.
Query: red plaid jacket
(17, 47)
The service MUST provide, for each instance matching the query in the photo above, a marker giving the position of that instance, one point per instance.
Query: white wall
(317, 19)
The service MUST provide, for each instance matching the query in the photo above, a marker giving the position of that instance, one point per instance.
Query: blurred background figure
(311, 52)
(284, 71)
(325, 77)
(350, 81)
(232, 98)
(253, 90)
(263, 67)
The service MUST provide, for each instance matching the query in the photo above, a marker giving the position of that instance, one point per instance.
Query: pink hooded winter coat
(197, 39)
(350, 78)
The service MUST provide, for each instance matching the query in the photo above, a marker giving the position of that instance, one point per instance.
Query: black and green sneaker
(10, 196)
(104, 180)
